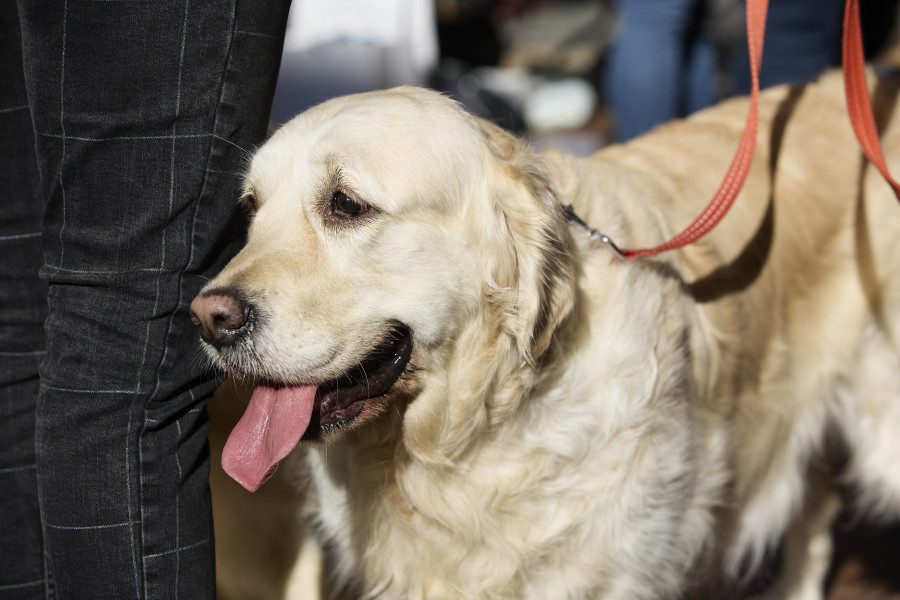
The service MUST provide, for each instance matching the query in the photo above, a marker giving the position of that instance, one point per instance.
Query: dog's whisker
(247, 154)
(362, 368)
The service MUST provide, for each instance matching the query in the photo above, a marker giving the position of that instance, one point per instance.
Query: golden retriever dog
(490, 404)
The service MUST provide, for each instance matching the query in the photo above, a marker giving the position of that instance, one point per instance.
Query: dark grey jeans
(124, 126)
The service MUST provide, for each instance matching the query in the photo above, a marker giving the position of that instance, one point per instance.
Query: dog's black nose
(222, 316)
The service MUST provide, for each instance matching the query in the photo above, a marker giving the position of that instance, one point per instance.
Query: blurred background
(579, 75)
(574, 73)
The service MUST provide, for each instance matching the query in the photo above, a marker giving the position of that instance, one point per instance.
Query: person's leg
(700, 73)
(143, 112)
(645, 71)
(23, 306)
(803, 38)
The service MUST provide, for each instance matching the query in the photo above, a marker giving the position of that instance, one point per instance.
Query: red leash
(859, 107)
(740, 165)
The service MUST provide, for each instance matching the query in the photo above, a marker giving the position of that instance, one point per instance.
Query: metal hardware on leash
(592, 233)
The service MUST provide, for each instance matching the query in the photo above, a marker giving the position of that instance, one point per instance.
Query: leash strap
(859, 109)
(740, 165)
(859, 104)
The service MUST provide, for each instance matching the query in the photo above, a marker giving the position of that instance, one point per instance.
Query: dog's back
(798, 297)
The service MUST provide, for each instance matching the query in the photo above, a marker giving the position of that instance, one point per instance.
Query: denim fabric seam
(191, 245)
(178, 512)
(62, 129)
(190, 258)
(138, 574)
(48, 572)
(39, 413)
(213, 136)
(162, 266)
(164, 236)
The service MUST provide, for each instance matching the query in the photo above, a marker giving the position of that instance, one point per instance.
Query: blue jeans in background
(662, 64)
(803, 38)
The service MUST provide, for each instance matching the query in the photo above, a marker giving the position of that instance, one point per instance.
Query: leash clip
(593, 234)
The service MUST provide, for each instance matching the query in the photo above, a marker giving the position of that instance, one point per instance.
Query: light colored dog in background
(493, 406)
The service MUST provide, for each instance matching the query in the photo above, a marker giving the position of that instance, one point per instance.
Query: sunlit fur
(573, 426)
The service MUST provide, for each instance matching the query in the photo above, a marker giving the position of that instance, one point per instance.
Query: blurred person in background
(662, 64)
(665, 63)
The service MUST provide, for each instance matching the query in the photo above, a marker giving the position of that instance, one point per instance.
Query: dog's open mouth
(339, 402)
(279, 415)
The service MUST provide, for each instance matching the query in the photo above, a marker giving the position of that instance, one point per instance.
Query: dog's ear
(537, 234)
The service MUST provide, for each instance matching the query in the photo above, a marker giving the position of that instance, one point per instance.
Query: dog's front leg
(808, 548)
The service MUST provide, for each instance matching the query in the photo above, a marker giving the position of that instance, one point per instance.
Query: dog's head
(402, 257)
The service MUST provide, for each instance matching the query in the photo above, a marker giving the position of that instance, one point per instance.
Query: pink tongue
(271, 427)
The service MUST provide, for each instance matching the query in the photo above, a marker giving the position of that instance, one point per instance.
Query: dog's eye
(344, 206)
(249, 200)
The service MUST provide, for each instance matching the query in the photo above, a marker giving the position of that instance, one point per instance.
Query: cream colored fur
(574, 426)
